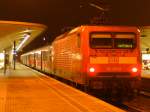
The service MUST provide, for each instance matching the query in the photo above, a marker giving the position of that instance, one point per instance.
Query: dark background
(58, 15)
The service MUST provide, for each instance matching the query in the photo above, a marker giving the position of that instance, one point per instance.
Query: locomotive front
(114, 61)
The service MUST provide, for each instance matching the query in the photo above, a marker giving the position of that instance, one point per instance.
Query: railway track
(140, 104)
(129, 108)
(145, 93)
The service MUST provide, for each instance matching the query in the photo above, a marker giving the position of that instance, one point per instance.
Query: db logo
(113, 60)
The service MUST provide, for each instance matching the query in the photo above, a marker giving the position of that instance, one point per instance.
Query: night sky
(59, 14)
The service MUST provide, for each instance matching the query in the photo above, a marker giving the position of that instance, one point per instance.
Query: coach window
(78, 40)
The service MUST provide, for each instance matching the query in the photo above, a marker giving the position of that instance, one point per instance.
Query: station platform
(145, 82)
(26, 90)
(146, 74)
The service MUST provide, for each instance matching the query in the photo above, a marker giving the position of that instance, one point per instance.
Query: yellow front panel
(127, 60)
(98, 60)
(113, 60)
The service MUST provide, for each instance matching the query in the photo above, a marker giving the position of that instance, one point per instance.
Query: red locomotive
(98, 57)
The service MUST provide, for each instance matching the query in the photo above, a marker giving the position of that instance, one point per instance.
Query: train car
(39, 59)
(99, 57)
(46, 58)
(24, 59)
(31, 60)
(104, 58)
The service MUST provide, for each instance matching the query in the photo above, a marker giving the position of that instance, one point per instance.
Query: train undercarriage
(116, 88)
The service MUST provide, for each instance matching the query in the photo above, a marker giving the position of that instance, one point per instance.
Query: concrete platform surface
(146, 74)
(26, 90)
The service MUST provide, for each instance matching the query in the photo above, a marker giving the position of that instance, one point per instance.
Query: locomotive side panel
(68, 58)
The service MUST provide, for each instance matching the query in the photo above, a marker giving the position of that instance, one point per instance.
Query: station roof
(20, 32)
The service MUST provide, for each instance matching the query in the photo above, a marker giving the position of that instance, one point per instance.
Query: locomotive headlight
(92, 69)
(134, 69)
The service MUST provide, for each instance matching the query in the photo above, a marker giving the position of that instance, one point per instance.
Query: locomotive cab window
(100, 40)
(124, 41)
(112, 40)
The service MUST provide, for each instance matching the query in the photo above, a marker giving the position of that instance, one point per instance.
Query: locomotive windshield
(108, 40)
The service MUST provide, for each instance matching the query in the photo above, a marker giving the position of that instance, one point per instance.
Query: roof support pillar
(5, 62)
(14, 55)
